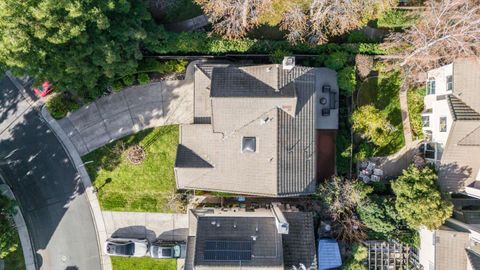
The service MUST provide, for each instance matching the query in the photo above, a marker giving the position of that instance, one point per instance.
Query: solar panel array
(221, 250)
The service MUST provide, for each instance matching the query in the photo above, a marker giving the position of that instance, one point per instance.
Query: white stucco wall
(439, 107)
(427, 249)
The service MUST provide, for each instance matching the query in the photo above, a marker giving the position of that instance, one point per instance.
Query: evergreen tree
(418, 199)
(78, 45)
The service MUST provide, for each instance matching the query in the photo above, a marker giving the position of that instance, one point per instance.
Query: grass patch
(182, 10)
(119, 263)
(397, 19)
(415, 108)
(383, 93)
(15, 260)
(149, 186)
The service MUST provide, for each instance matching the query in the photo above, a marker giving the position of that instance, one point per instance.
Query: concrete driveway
(129, 111)
(153, 226)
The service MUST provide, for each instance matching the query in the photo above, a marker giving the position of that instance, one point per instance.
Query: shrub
(397, 19)
(8, 233)
(364, 151)
(128, 80)
(357, 258)
(277, 56)
(117, 85)
(203, 43)
(336, 60)
(347, 80)
(418, 199)
(379, 215)
(60, 104)
(143, 78)
(373, 125)
(163, 67)
(358, 37)
(415, 109)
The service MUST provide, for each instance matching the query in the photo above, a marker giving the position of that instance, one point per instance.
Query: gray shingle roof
(473, 258)
(460, 110)
(267, 102)
(296, 143)
(250, 81)
(299, 243)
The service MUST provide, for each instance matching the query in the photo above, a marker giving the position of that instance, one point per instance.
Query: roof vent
(265, 120)
(280, 220)
(288, 62)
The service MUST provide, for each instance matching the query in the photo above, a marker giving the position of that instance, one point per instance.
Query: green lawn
(148, 187)
(120, 263)
(15, 260)
(415, 108)
(383, 93)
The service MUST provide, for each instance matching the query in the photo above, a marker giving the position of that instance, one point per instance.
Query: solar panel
(222, 250)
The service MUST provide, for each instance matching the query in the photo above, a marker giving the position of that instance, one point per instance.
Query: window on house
(431, 86)
(426, 121)
(450, 83)
(249, 145)
(443, 124)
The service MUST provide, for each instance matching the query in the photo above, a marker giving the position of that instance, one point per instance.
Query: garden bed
(146, 187)
(382, 92)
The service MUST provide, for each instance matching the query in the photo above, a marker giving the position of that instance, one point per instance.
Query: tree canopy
(373, 125)
(446, 30)
(80, 46)
(418, 199)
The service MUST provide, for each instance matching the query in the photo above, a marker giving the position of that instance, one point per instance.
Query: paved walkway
(188, 25)
(153, 226)
(407, 130)
(129, 111)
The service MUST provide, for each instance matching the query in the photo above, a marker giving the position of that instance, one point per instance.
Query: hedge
(203, 43)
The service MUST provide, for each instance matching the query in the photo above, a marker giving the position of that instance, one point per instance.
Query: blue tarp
(328, 254)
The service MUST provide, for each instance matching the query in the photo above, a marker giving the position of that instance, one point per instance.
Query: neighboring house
(240, 239)
(254, 129)
(452, 126)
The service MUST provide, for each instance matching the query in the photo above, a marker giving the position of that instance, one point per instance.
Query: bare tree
(234, 18)
(340, 197)
(447, 30)
(295, 23)
(331, 18)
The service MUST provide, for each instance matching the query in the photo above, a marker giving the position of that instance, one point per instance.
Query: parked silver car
(168, 250)
(126, 247)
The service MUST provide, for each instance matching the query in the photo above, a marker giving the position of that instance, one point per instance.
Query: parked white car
(168, 251)
(127, 247)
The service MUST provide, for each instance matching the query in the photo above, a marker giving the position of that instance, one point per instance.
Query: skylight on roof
(249, 144)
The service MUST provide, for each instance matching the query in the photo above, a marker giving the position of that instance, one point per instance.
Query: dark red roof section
(325, 153)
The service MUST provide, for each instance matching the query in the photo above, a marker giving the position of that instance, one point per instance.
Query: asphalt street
(46, 185)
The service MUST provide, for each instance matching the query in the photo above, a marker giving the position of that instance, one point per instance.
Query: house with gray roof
(234, 239)
(451, 122)
(254, 129)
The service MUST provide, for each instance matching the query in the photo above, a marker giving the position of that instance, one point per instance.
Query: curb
(27, 247)
(89, 189)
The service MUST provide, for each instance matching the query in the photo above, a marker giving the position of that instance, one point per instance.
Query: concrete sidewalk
(28, 254)
(129, 111)
(153, 226)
